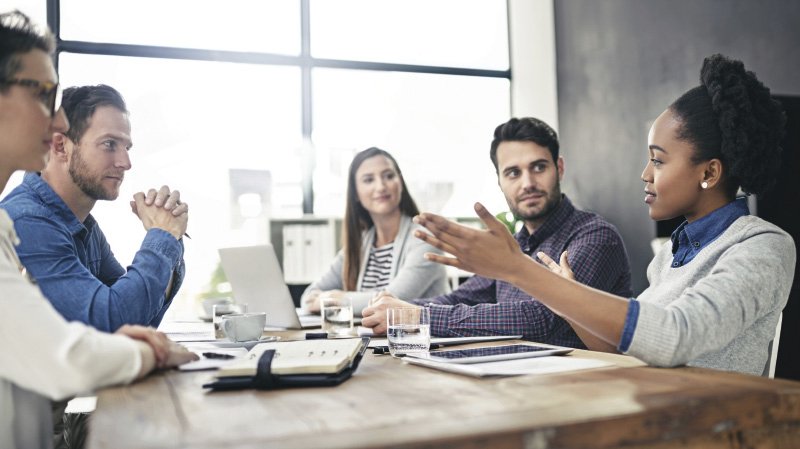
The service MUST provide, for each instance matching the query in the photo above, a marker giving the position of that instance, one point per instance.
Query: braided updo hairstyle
(732, 117)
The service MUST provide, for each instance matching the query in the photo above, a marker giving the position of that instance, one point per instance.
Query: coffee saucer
(244, 344)
(263, 339)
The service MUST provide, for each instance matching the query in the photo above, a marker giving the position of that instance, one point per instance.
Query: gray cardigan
(720, 310)
(412, 276)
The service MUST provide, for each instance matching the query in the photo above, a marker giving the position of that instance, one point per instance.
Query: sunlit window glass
(439, 127)
(268, 26)
(226, 135)
(452, 33)
(35, 9)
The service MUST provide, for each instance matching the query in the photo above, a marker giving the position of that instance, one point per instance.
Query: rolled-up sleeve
(115, 297)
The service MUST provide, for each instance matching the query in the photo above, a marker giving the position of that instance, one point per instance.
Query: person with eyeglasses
(44, 357)
(44, 90)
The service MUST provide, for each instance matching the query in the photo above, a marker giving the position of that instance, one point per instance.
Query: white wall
(534, 88)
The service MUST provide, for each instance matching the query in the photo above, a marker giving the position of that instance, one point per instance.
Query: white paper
(185, 331)
(518, 367)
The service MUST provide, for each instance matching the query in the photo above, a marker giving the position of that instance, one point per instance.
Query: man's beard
(82, 178)
(550, 203)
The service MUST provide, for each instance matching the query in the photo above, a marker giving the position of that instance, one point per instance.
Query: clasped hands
(374, 315)
(162, 209)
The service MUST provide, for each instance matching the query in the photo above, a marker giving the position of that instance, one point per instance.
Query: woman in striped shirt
(379, 251)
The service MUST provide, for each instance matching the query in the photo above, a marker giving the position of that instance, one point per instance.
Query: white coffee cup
(241, 327)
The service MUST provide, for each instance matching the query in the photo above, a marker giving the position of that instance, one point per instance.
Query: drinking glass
(219, 311)
(408, 330)
(337, 315)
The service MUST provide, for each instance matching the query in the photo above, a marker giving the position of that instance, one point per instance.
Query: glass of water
(408, 330)
(337, 315)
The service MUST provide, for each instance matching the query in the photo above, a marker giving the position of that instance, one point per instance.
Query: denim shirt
(687, 241)
(690, 238)
(76, 270)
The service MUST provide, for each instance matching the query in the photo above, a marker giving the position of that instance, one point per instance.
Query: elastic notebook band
(264, 380)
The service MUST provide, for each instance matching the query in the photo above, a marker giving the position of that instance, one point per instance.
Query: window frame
(305, 61)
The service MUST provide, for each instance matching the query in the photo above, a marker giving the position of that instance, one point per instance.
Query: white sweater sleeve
(45, 354)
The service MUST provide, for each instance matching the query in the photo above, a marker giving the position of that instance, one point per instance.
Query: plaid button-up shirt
(483, 306)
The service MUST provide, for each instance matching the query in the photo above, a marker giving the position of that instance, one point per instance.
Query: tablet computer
(492, 353)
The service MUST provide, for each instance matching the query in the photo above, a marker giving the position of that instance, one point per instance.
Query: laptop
(257, 280)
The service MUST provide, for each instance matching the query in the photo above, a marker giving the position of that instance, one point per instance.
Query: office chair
(769, 369)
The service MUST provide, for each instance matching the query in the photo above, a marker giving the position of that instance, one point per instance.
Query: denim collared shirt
(690, 238)
(687, 241)
(76, 269)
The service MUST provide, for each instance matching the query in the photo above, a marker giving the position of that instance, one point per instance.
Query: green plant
(508, 219)
(217, 278)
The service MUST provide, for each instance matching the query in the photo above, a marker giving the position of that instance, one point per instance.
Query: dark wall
(782, 207)
(622, 62)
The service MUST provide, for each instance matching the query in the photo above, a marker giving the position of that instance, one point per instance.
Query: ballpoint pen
(380, 350)
(217, 355)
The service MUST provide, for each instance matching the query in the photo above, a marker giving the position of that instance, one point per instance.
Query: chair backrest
(769, 369)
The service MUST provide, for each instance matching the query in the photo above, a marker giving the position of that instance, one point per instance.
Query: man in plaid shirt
(529, 170)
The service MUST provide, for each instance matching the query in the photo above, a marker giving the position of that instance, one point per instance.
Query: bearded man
(61, 244)
(529, 170)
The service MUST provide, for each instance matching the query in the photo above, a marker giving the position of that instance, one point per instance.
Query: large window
(451, 33)
(242, 25)
(438, 127)
(254, 108)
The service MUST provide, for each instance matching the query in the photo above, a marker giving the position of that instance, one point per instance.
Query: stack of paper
(518, 367)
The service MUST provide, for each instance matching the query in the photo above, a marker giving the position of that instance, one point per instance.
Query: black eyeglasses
(46, 91)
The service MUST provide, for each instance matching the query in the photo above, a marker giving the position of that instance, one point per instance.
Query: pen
(380, 350)
(216, 355)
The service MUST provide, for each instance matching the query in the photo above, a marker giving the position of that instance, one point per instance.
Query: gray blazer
(412, 276)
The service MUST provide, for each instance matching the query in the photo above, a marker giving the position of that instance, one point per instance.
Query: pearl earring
(704, 185)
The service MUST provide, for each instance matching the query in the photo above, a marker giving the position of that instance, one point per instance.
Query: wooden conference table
(388, 403)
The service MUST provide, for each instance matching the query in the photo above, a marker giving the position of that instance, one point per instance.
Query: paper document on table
(182, 331)
(519, 367)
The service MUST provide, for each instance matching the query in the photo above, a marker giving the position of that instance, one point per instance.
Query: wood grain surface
(389, 403)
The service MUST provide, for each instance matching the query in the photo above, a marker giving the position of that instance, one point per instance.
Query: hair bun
(751, 122)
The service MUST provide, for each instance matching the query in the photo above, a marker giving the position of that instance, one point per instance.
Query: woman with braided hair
(718, 287)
